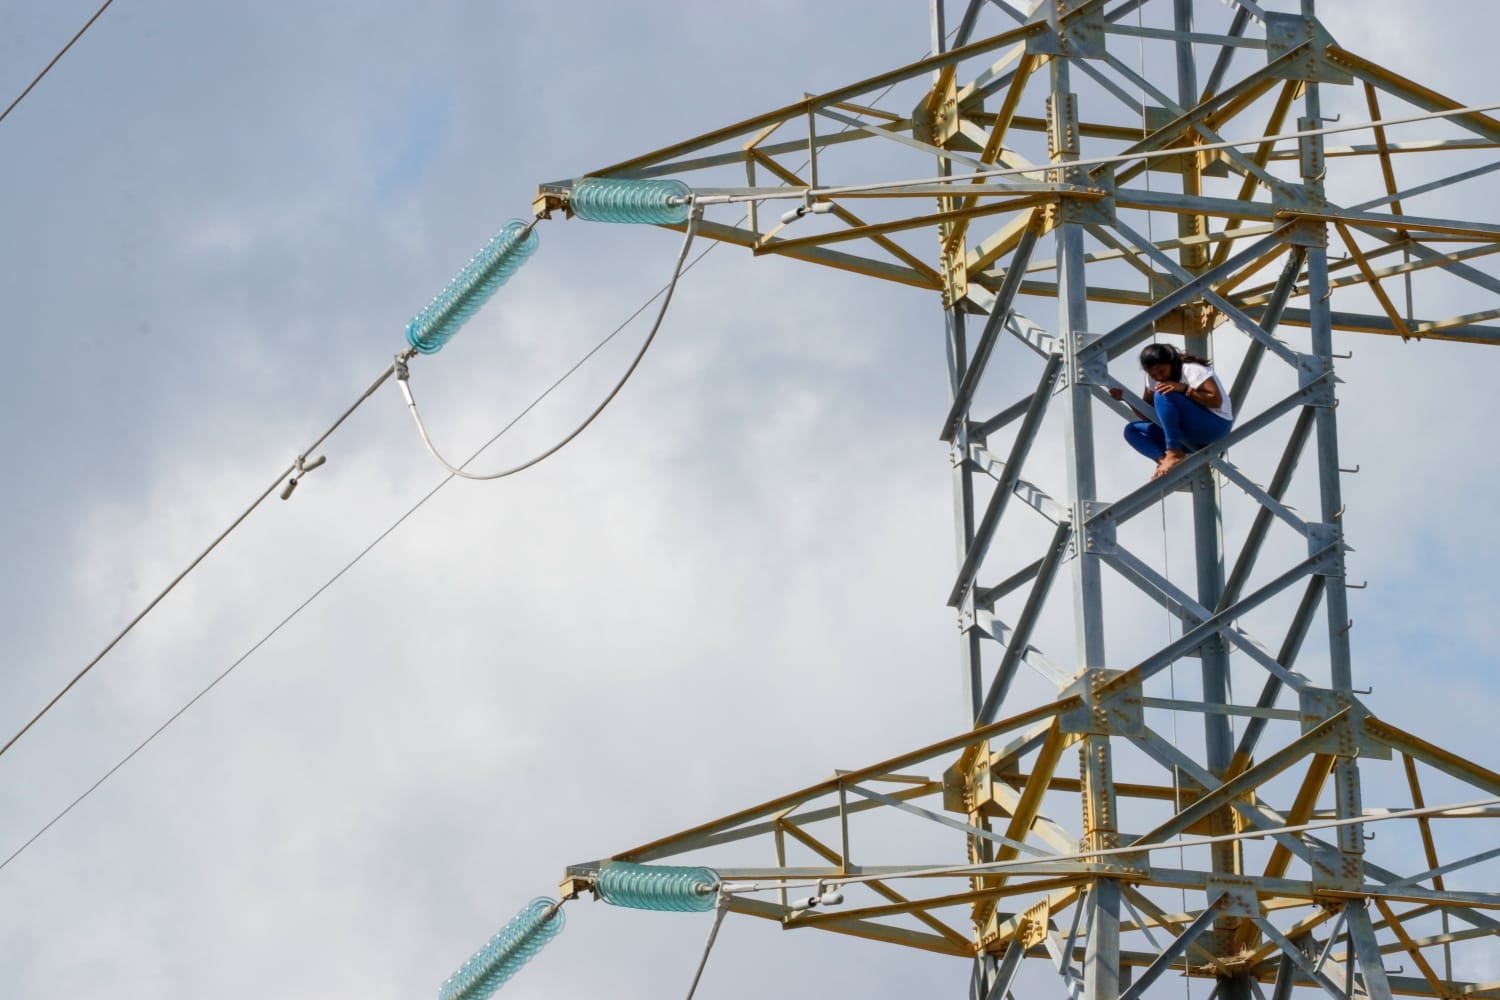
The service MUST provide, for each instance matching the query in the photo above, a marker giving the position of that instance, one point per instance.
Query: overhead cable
(47, 68)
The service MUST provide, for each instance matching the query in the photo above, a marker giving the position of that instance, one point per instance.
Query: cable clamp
(300, 468)
(399, 366)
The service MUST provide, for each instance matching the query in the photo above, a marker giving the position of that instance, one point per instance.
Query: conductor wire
(48, 68)
(402, 379)
(281, 476)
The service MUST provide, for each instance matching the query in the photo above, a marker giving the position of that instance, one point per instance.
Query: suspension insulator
(657, 887)
(504, 954)
(491, 267)
(604, 199)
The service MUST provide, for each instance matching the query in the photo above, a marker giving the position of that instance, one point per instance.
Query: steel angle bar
(1442, 870)
(1120, 338)
(1174, 950)
(1028, 493)
(1402, 222)
(1434, 756)
(1420, 189)
(1257, 814)
(959, 825)
(1239, 318)
(985, 597)
(1201, 954)
(1009, 415)
(1267, 502)
(1270, 319)
(1414, 93)
(1005, 975)
(1281, 480)
(1245, 781)
(1258, 82)
(1367, 951)
(1005, 672)
(1291, 951)
(999, 314)
(1146, 495)
(1233, 209)
(1301, 622)
(1237, 711)
(798, 109)
(1227, 45)
(735, 822)
(885, 132)
(1231, 40)
(1350, 322)
(1197, 121)
(867, 266)
(1029, 655)
(1163, 592)
(984, 534)
(1473, 275)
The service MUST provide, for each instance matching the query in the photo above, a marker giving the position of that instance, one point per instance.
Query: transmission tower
(1073, 180)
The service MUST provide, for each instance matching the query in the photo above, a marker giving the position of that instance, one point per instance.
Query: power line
(297, 466)
(350, 564)
(47, 68)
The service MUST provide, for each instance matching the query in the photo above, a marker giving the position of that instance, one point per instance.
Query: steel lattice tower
(1120, 186)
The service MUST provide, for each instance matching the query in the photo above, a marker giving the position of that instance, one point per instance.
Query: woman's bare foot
(1167, 463)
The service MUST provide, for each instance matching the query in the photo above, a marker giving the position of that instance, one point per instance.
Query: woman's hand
(1116, 393)
(1171, 387)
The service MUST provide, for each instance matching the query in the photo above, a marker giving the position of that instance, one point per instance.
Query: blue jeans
(1185, 426)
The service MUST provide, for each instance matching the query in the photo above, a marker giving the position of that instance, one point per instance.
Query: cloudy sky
(217, 219)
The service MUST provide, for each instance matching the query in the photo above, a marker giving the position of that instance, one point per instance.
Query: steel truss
(1241, 858)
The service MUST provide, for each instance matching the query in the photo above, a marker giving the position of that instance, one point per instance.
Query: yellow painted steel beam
(1410, 947)
(1415, 93)
(904, 904)
(890, 246)
(1373, 281)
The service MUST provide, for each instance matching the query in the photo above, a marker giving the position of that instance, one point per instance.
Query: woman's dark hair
(1165, 354)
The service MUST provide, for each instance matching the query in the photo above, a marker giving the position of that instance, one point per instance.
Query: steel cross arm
(1176, 949)
(1212, 624)
(753, 241)
(1015, 649)
(999, 315)
(1239, 318)
(984, 534)
(1121, 336)
(1147, 494)
(800, 109)
(965, 828)
(699, 835)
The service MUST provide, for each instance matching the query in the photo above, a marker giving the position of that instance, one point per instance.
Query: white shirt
(1195, 375)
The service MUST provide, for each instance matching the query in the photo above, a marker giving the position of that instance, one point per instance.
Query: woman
(1191, 404)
